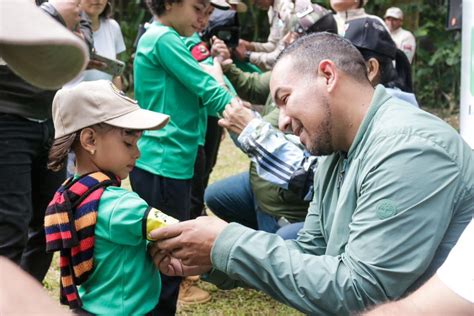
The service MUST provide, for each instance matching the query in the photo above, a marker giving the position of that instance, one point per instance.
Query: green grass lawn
(233, 302)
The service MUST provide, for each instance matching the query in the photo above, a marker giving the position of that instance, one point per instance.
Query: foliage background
(436, 69)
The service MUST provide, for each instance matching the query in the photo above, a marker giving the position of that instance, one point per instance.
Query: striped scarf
(69, 225)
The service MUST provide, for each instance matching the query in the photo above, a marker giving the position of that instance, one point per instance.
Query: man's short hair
(308, 51)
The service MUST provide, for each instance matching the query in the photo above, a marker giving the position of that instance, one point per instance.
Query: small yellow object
(157, 219)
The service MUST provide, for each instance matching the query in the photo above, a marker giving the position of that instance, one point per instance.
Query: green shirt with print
(169, 80)
(124, 280)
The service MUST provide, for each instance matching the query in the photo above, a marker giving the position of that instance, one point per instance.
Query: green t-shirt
(169, 80)
(190, 42)
(124, 280)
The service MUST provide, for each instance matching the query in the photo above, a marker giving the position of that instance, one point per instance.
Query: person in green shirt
(106, 257)
(169, 80)
(392, 194)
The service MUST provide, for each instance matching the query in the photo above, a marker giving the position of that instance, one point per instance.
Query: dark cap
(370, 34)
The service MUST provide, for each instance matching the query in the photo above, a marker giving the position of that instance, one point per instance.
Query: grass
(237, 301)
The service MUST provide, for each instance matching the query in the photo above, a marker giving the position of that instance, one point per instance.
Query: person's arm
(277, 157)
(408, 46)
(253, 87)
(119, 44)
(280, 158)
(280, 25)
(388, 247)
(127, 217)
(383, 251)
(266, 60)
(273, 38)
(23, 295)
(176, 59)
(449, 292)
(434, 298)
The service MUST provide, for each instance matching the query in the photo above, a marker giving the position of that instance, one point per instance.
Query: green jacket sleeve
(253, 87)
(178, 61)
(403, 209)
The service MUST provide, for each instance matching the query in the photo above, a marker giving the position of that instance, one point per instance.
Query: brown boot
(191, 294)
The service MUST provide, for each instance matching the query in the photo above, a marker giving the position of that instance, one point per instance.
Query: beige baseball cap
(94, 102)
(394, 12)
(38, 48)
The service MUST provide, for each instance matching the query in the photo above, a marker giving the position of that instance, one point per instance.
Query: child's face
(188, 16)
(117, 151)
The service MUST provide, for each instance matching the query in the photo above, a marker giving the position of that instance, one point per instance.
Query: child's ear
(88, 139)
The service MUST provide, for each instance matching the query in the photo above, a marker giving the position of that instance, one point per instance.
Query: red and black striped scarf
(69, 225)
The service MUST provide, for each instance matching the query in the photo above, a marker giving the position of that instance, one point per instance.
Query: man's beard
(321, 143)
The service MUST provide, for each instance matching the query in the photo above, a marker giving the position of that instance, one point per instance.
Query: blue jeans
(290, 231)
(232, 200)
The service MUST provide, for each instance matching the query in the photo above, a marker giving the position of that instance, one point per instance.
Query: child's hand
(236, 116)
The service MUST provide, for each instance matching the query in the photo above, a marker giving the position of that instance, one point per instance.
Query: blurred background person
(108, 42)
(108, 39)
(404, 39)
(347, 10)
(279, 14)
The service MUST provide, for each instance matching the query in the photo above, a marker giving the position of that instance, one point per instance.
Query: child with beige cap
(99, 228)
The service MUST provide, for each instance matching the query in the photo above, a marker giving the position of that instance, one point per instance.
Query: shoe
(191, 294)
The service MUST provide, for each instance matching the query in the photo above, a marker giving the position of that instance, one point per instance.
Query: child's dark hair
(57, 158)
(157, 7)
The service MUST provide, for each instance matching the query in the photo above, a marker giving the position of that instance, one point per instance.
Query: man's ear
(88, 140)
(327, 71)
(373, 68)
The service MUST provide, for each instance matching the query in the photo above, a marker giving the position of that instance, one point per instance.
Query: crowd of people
(354, 195)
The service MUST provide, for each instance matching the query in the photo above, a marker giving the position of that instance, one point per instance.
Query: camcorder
(225, 26)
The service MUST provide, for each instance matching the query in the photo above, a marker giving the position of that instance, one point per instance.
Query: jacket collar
(380, 98)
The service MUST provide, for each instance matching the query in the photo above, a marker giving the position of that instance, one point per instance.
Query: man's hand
(174, 267)
(236, 116)
(95, 64)
(248, 46)
(189, 241)
(240, 52)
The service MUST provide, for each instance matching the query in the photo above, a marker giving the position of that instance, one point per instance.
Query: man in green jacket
(392, 194)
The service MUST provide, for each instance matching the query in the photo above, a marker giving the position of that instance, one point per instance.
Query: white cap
(394, 12)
